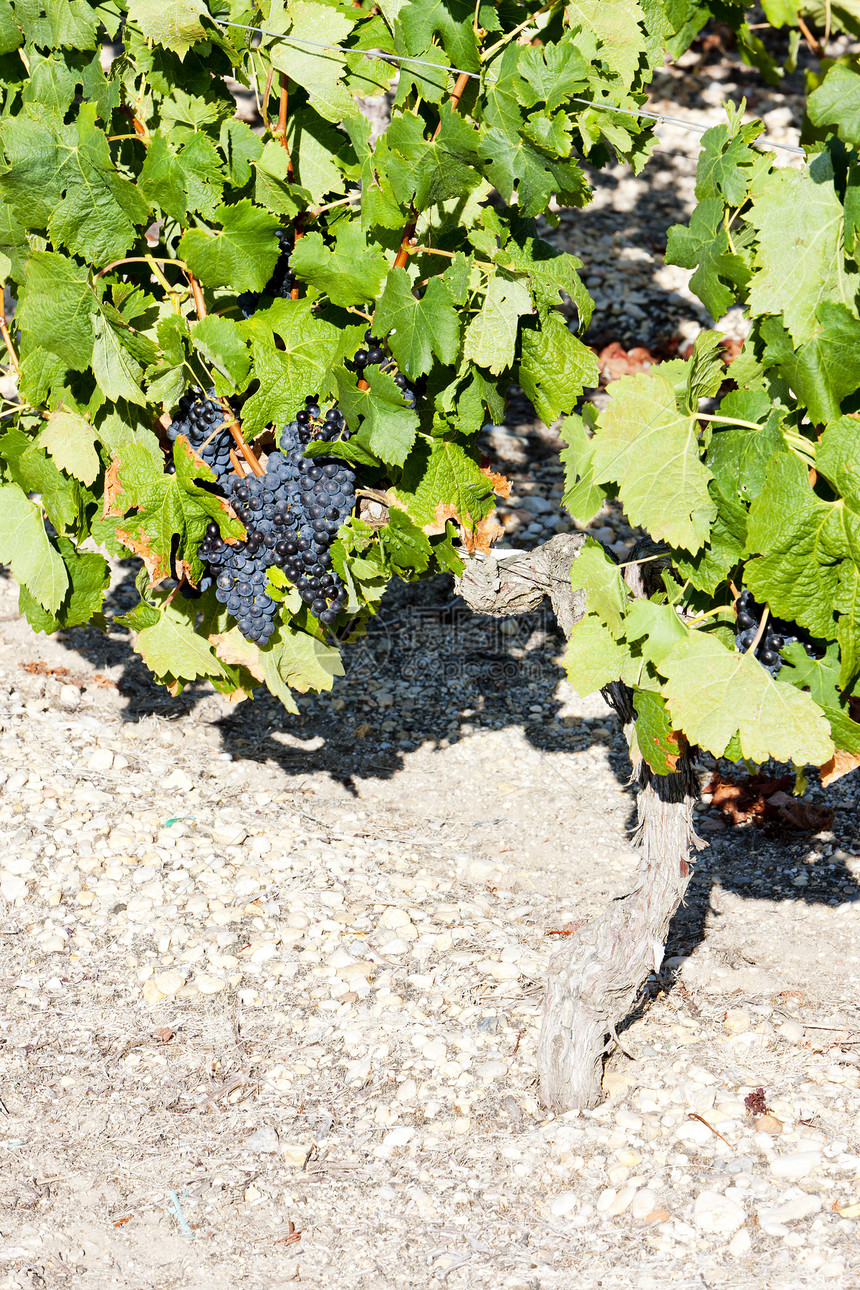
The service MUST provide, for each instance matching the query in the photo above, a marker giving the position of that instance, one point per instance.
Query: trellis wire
(659, 117)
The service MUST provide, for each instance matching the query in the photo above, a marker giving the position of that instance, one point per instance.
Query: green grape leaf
(532, 169)
(351, 273)
(117, 373)
(443, 481)
(34, 471)
(386, 426)
(800, 260)
(89, 579)
(802, 542)
(848, 630)
(155, 506)
(738, 456)
(594, 657)
(240, 147)
(657, 627)
(727, 164)
(70, 440)
(659, 744)
(582, 498)
(26, 548)
(56, 309)
(304, 662)
(321, 76)
(450, 20)
(837, 102)
(837, 457)
(172, 648)
(704, 246)
(241, 254)
(713, 693)
(11, 36)
(406, 546)
(819, 676)
(651, 449)
(222, 344)
(725, 547)
(600, 578)
(176, 25)
(421, 328)
(616, 23)
(491, 336)
(71, 24)
(826, 368)
(554, 367)
(300, 362)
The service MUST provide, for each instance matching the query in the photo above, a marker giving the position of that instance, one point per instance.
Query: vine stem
(4, 332)
(754, 643)
(450, 255)
(512, 35)
(140, 259)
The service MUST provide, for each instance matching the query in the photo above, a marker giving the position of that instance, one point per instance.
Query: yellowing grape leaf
(713, 693)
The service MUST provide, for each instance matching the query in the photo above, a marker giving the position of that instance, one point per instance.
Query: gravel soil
(272, 985)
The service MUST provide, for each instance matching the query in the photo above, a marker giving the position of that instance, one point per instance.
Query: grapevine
(227, 336)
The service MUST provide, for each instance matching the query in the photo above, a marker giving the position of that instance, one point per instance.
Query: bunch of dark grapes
(776, 635)
(374, 355)
(320, 493)
(197, 418)
(292, 514)
(279, 286)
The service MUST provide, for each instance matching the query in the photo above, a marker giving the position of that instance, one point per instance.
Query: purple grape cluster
(776, 635)
(374, 355)
(199, 415)
(279, 286)
(291, 514)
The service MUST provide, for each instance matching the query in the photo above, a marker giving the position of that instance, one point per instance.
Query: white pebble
(207, 984)
(398, 1137)
(791, 1210)
(715, 1213)
(12, 888)
(605, 1199)
(563, 1204)
(100, 760)
(740, 1244)
(643, 1203)
(796, 1164)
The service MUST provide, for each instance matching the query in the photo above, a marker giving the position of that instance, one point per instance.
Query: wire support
(659, 117)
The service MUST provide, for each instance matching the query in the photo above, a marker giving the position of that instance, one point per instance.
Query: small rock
(498, 971)
(179, 780)
(264, 1139)
(768, 1124)
(796, 1164)
(715, 1213)
(563, 1204)
(737, 1021)
(792, 1031)
(643, 1203)
(622, 1201)
(151, 992)
(12, 888)
(229, 835)
(398, 1137)
(605, 1199)
(791, 1210)
(168, 983)
(207, 984)
(69, 697)
(100, 760)
(740, 1244)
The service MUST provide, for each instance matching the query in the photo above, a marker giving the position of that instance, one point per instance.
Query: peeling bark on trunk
(595, 978)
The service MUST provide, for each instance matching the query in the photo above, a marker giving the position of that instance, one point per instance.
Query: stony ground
(272, 985)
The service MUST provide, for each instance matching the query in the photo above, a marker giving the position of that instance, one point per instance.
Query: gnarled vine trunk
(595, 978)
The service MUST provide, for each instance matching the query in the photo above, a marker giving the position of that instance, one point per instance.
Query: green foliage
(761, 493)
(136, 209)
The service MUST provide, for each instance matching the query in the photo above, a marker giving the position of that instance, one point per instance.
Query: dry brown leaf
(501, 484)
(841, 763)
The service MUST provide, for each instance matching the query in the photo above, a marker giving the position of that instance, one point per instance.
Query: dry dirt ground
(272, 984)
